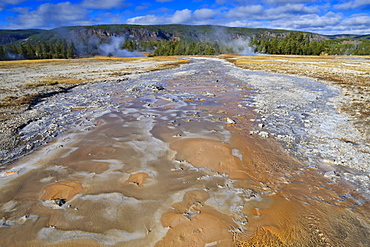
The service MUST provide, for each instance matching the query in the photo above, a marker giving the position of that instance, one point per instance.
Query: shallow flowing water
(182, 158)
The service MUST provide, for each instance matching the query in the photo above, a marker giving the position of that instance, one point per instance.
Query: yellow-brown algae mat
(184, 172)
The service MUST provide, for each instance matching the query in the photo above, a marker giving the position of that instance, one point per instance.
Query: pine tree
(71, 50)
(30, 53)
(2, 53)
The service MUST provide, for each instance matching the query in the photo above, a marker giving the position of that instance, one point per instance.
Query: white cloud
(311, 21)
(5, 3)
(204, 13)
(106, 4)
(352, 4)
(13, 2)
(243, 23)
(245, 11)
(185, 16)
(182, 16)
(50, 15)
(357, 20)
(289, 10)
(259, 12)
(146, 20)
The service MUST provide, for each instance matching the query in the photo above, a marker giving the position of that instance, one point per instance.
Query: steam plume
(113, 48)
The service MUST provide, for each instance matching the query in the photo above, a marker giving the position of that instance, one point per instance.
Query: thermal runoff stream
(205, 154)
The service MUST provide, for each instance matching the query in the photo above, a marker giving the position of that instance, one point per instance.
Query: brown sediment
(191, 223)
(62, 190)
(137, 178)
(306, 210)
(287, 222)
(75, 243)
(97, 167)
(204, 153)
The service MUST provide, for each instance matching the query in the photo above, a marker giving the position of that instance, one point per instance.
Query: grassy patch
(54, 81)
(24, 100)
(175, 63)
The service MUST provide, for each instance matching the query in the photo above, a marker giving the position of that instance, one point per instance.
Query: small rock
(230, 121)
(157, 88)
(134, 89)
(59, 201)
(264, 134)
(330, 174)
(210, 94)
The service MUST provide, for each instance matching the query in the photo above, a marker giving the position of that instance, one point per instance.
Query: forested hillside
(166, 40)
(298, 43)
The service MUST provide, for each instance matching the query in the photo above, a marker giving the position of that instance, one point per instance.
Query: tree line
(296, 43)
(172, 48)
(40, 50)
(348, 47)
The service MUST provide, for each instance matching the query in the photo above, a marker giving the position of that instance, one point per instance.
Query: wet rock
(263, 134)
(157, 88)
(174, 123)
(59, 201)
(331, 174)
(134, 89)
(230, 121)
(210, 94)
(121, 79)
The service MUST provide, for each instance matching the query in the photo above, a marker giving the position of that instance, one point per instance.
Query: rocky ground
(324, 134)
(350, 73)
(25, 83)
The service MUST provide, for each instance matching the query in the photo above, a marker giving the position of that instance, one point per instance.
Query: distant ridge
(201, 33)
(85, 41)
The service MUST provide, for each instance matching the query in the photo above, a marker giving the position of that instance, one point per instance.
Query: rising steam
(113, 48)
(242, 46)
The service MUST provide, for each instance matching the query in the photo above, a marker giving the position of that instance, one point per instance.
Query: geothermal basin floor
(205, 154)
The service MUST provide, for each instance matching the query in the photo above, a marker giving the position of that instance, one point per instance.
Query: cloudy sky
(320, 16)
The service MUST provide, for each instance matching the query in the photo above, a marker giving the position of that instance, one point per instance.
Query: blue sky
(320, 16)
